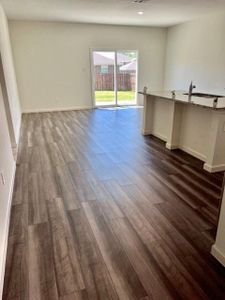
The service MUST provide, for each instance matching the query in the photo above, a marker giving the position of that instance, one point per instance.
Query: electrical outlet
(2, 178)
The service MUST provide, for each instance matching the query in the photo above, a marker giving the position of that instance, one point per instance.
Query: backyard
(109, 96)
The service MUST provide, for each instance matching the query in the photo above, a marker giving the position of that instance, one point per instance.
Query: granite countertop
(180, 97)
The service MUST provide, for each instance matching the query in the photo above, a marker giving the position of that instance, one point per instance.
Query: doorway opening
(114, 76)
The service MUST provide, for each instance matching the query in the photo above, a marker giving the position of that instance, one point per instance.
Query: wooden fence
(105, 82)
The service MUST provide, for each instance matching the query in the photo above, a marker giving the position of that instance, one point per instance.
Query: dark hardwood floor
(101, 212)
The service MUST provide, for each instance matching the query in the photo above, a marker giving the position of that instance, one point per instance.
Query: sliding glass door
(126, 77)
(104, 63)
(114, 78)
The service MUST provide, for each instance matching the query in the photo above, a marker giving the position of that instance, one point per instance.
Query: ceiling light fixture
(140, 12)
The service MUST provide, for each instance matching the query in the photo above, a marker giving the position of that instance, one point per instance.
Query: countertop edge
(181, 101)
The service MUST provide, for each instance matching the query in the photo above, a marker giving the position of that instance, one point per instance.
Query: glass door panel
(104, 78)
(126, 77)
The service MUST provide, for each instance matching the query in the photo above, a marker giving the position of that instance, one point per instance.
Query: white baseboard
(213, 169)
(171, 147)
(218, 255)
(39, 110)
(146, 132)
(160, 136)
(193, 152)
(8, 214)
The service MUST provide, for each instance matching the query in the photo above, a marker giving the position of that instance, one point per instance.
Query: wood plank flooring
(101, 212)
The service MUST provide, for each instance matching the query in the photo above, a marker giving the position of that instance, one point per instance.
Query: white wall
(194, 128)
(194, 131)
(52, 60)
(218, 249)
(196, 51)
(161, 119)
(10, 119)
(9, 74)
(7, 167)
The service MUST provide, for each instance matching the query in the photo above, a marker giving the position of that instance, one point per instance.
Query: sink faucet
(191, 87)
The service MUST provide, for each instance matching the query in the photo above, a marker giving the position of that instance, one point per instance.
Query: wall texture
(53, 65)
(7, 168)
(9, 73)
(10, 118)
(218, 249)
(196, 51)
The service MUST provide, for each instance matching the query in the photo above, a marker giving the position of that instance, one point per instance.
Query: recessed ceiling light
(140, 12)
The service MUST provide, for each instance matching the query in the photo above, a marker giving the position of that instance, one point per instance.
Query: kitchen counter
(197, 126)
(180, 97)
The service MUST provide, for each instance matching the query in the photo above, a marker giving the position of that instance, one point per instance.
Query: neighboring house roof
(131, 66)
(107, 58)
(99, 59)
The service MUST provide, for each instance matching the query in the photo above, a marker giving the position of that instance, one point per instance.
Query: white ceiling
(156, 12)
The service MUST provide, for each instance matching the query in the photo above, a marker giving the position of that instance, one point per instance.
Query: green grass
(109, 96)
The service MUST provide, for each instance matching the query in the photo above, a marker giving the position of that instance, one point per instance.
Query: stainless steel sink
(204, 95)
